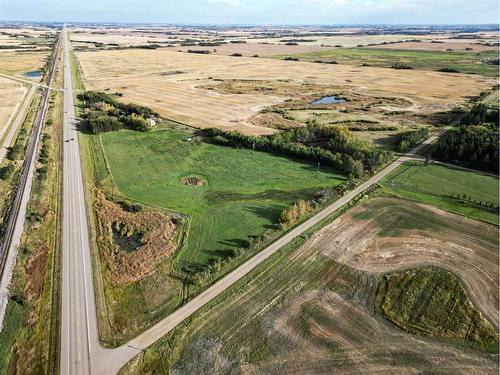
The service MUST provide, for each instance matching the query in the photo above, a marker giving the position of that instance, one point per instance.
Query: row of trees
(105, 114)
(334, 146)
(411, 139)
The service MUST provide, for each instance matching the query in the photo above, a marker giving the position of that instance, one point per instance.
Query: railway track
(26, 174)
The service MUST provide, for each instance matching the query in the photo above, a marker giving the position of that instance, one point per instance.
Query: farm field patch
(464, 62)
(452, 189)
(239, 199)
(18, 63)
(444, 45)
(234, 179)
(171, 84)
(318, 308)
(11, 95)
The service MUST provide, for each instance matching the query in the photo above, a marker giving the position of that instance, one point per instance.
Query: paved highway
(78, 322)
(81, 352)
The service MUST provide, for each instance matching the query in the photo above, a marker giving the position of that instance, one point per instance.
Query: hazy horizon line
(245, 24)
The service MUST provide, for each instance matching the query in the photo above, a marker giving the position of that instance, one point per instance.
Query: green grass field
(243, 194)
(465, 62)
(432, 302)
(435, 185)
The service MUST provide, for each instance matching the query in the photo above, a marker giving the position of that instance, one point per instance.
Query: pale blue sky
(255, 11)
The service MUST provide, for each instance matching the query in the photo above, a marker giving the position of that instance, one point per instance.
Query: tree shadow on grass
(191, 267)
(270, 213)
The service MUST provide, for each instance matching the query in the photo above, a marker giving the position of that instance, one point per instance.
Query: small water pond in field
(33, 74)
(329, 100)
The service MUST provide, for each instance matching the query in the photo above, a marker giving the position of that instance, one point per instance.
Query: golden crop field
(11, 95)
(169, 81)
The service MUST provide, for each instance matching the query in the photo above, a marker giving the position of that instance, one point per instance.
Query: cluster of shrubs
(325, 62)
(293, 213)
(7, 171)
(200, 51)
(401, 66)
(333, 145)
(411, 139)
(448, 70)
(104, 113)
(43, 157)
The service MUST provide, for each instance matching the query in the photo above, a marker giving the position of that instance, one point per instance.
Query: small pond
(329, 100)
(33, 74)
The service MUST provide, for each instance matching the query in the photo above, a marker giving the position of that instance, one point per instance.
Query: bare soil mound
(192, 181)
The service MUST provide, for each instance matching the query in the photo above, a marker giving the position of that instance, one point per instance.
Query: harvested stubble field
(168, 82)
(349, 40)
(320, 308)
(444, 45)
(464, 62)
(11, 96)
(241, 198)
(461, 191)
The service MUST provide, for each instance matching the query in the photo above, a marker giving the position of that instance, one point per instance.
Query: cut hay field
(464, 62)
(11, 96)
(227, 198)
(326, 306)
(168, 82)
(440, 185)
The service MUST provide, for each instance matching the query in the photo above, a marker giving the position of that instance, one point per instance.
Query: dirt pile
(154, 234)
(192, 181)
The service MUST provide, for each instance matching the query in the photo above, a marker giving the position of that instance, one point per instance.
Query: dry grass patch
(192, 181)
(132, 244)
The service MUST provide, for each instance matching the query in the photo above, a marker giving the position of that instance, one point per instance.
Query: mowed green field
(242, 196)
(436, 185)
(465, 62)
